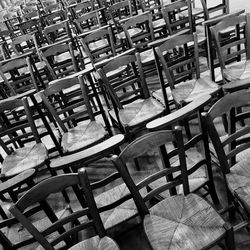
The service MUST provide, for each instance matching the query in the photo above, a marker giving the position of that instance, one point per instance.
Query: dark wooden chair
(57, 232)
(232, 148)
(139, 33)
(132, 105)
(175, 222)
(89, 21)
(19, 75)
(213, 62)
(76, 114)
(182, 71)
(20, 139)
(235, 50)
(198, 159)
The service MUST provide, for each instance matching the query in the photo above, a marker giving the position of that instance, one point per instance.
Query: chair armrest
(88, 155)
(180, 114)
(237, 85)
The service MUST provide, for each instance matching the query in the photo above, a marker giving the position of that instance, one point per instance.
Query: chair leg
(229, 238)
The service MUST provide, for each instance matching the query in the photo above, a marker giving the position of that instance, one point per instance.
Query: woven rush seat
(96, 243)
(139, 112)
(189, 90)
(83, 135)
(183, 222)
(24, 158)
(238, 181)
(237, 71)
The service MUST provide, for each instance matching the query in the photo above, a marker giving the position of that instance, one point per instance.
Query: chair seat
(111, 73)
(132, 32)
(195, 88)
(96, 243)
(41, 65)
(98, 44)
(147, 56)
(238, 180)
(159, 23)
(183, 222)
(23, 159)
(237, 71)
(65, 56)
(140, 111)
(83, 135)
(158, 95)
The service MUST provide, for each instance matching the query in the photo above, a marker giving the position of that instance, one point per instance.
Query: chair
(178, 21)
(99, 44)
(77, 10)
(197, 153)
(234, 50)
(231, 147)
(118, 12)
(158, 22)
(58, 32)
(140, 41)
(124, 89)
(58, 233)
(213, 61)
(61, 59)
(88, 21)
(19, 76)
(76, 114)
(174, 222)
(182, 70)
(17, 130)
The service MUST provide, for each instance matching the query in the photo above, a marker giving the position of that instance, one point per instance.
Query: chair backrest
(57, 31)
(146, 34)
(178, 61)
(54, 17)
(24, 43)
(235, 47)
(88, 21)
(211, 11)
(232, 139)
(175, 20)
(18, 75)
(129, 84)
(68, 109)
(119, 11)
(60, 59)
(99, 44)
(17, 128)
(63, 234)
(77, 10)
(157, 142)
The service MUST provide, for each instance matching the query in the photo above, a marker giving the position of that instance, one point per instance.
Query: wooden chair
(197, 153)
(124, 89)
(118, 12)
(75, 114)
(235, 50)
(58, 32)
(140, 41)
(19, 76)
(15, 136)
(99, 44)
(178, 21)
(158, 22)
(182, 70)
(88, 22)
(232, 149)
(61, 59)
(57, 232)
(213, 61)
(173, 222)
